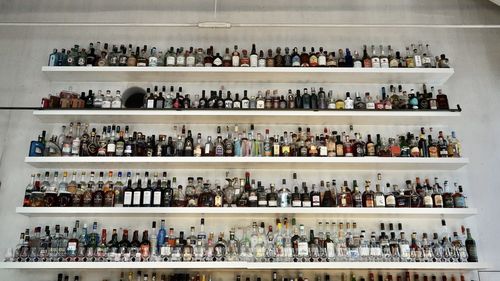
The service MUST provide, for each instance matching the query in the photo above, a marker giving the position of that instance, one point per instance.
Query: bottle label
(72, 248)
(106, 104)
(170, 60)
(313, 61)
(330, 250)
(384, 62)
(219, 150)
(217, 62)
(262, 203)
(459, 202)
(111, 147)
(296, 203)
(380, 201)
(316, 201)
(343, 201)
(433, 152)
(218, 201)
(137, 198)
(428, 201)
(181, 60)
(151, 103)
(66, 149)
(157, 198)
(128, 149)
(190, 61)
(306, 203)
(295, 61)
(375, 62)
(340, 150)
(153, 61)
(236, 60)
(303, 249)
(119, 148)
(404, 250)
(438, 200)
(252, 198)
(245, 104)
(75, 147)
(145, 251)
(253, 60)
(272, 203)
(116, 104)
(418, 61)
(358, 64)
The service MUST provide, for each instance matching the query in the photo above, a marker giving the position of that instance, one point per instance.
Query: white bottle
(348, 102)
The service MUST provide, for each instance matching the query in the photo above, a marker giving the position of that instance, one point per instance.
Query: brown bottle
(269, 59)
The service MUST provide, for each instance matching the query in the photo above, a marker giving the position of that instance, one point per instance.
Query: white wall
(473, 53)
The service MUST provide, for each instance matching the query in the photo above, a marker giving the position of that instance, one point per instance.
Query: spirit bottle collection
(78, 140)
(416, 56)
(329, 242)
(324, 276)
(305, 99)
(157, 190)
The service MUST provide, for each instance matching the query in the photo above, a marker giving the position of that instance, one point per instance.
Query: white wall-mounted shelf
(242, 265)
(433, 76)
(246, 212)
(320, 117)
(339, 163)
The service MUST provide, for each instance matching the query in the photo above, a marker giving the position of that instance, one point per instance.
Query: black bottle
(168, 194)
(203, 102)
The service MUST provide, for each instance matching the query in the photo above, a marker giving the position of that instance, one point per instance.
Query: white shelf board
(339, 163)
(241, 265)
(245, 212)
(321, 117)
(433, 76)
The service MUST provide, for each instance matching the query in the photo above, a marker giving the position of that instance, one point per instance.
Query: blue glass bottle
(37, 147)
(349, 62)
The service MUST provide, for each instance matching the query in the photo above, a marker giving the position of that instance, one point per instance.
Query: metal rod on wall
(252, 25)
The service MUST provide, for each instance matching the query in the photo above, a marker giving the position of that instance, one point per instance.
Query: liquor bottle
(344, 197)
(368, 196)
(366, 59)
(304, 58)
(137, 194)
(285, 199)
(442, 101)
(380, 198)
(145, 247)
(330, 195)
(315, 197)
(272, 197)
(470, 245)
(305, 197)
(236, 60)
(253, 57)
(459, 198)
(128, 194)
(357, 196)
(295, 57)
(375, 59)
(226, 59)
(357, 63)
(302, 245)
(206, 198)
(384, 60)
(147, 194)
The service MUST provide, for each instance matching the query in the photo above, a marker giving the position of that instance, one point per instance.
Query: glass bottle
(368, 196)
